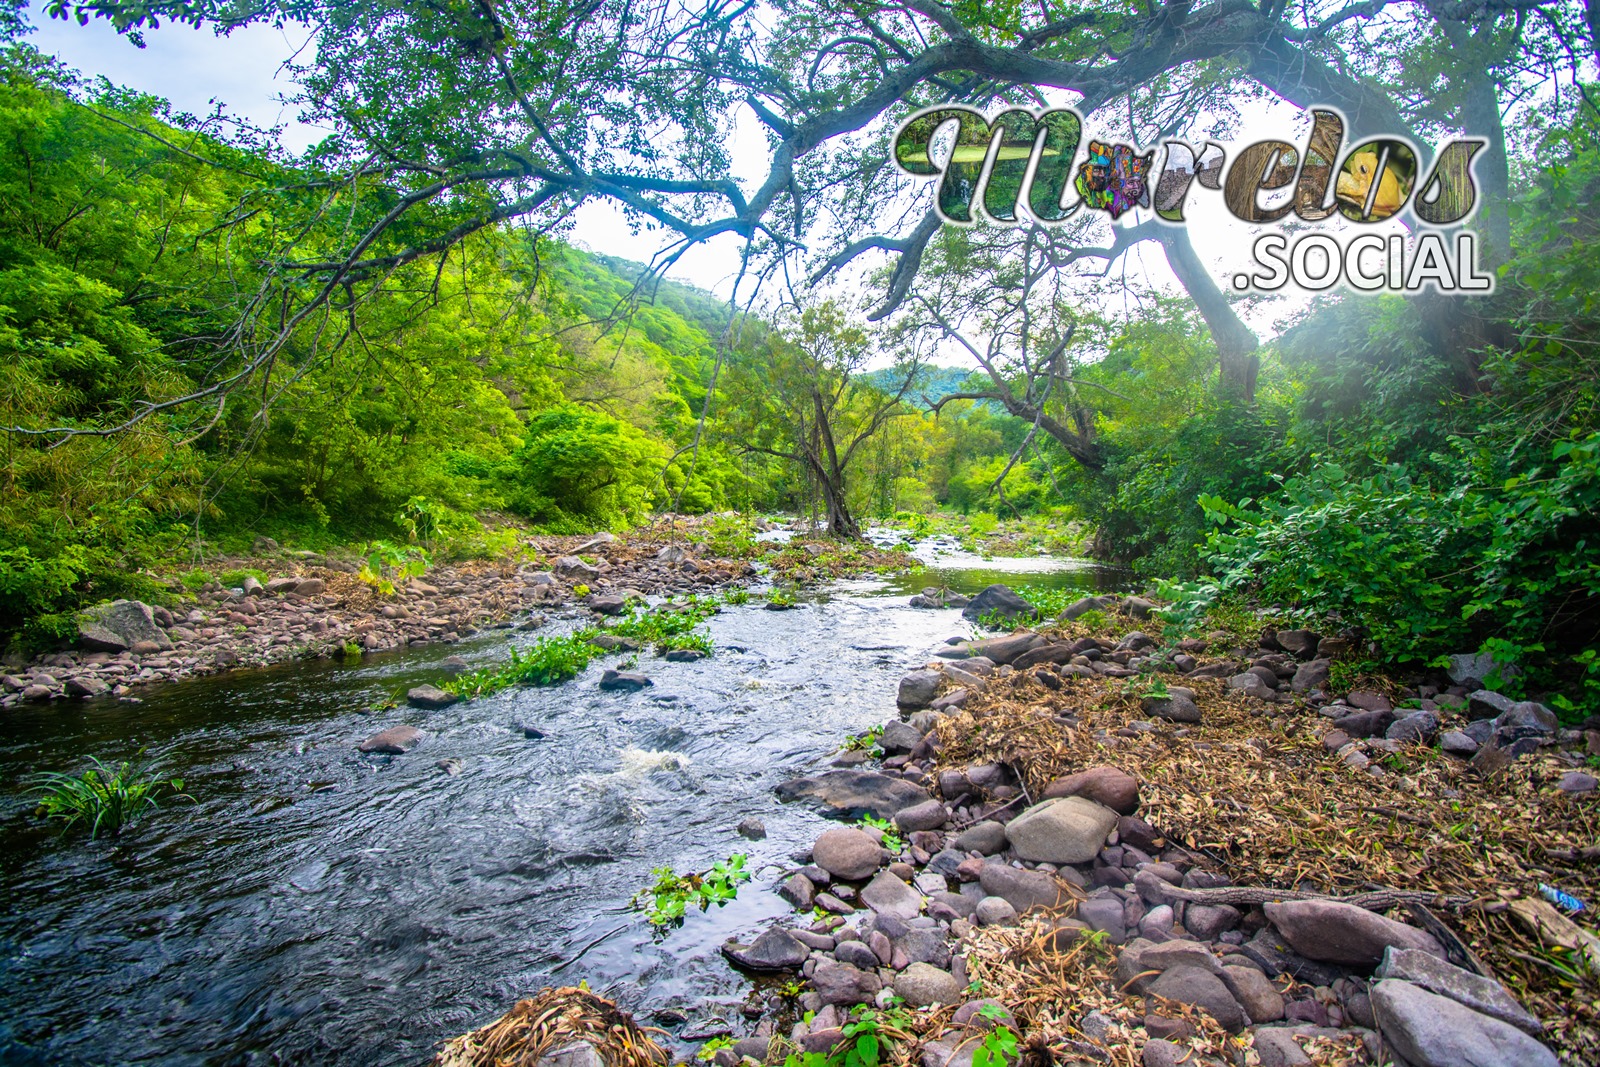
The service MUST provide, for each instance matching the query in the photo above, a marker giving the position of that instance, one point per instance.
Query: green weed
(667, 900)
(104, 798)
(546, 661)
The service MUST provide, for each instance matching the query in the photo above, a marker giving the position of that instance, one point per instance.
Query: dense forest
(1436, 490)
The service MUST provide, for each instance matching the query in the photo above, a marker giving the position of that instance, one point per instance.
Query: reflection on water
(319, 906)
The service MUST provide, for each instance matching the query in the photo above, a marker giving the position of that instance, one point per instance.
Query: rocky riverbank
(1247, 868)
(313, 605)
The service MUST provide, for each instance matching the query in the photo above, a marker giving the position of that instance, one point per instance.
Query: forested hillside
(519, 377)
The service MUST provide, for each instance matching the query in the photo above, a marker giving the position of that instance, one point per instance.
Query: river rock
(607, 603)
(918, 688)
(1070, 830)
(1022, 889)
(799, 890)
(995, 911)
(898, 738)
(1334, 932)
(1188, 984)
(394, 741)
(1084, 605)
(1110, 786)
(1177, 706)
(310, 587)
(888, 895)
(1482, 995)
(1419, 727)
(987, 837)
(929, 815)
(1458, 743)
(850, 794)
(84, 686)
(1487, 704)
(923, 984)
(1255, 993)
(847, 853)
(999, 601)
(840, 983)
(1105, 914)
(430, 696)
(571, 568)
(1524, 719)
(1430, 1030)
(1313, 674)
(624, 681)
(1252, 684)
(775, 950)
(118, 626)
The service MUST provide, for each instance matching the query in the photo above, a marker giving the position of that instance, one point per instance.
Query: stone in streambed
(1333, 932)
(1434, 1031)
(1189, 984)
(847, 853)
(1022, 889)
(918, 689)
(840, 983)
(999, 601)
(888, 895)
(1070, 830)
(624, 681)
(923, 984)
(987, 837)
(118, 626)
(929, 815)
(850, 794)
(430, 696)
(395, 741)
(775, 950)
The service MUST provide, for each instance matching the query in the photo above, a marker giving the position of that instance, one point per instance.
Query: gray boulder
(899, 737)
(1334, 932)
(929, 815)
(999, 601)
(1313, 674)
(987, 837)
(118, 626)
(1483, 995)
(850, 794)
(888, 895)
(918, 689)
(1419, 726)
(1079, 608)
(923, 984)
(775, 950)
(840, 983)
(624, 681)
(847, 853)
(430, 696)
(1069, 830)
(1524, 719)
(1022, 889)
(1434, 1031)
(394, 741)
(1188, 984)
(995, 911)
(1487, 704)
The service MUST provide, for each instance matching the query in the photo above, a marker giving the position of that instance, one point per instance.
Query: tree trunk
(841, 523)
(1236, 344)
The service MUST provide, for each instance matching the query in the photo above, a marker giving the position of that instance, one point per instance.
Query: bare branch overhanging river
(318, 906)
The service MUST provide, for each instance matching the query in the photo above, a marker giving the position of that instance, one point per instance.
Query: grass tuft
(105, 799)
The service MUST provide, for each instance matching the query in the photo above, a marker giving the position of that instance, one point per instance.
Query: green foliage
(866, 741)
(866, 1038)
(891, 837)
(386, 563)
(667, 627)
(234, 579)
(999, 1045)
(545, 661)
(709, 1050)
(668, 898)
(579, 470)
(102, 797)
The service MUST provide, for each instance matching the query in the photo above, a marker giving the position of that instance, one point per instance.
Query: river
(318, 906)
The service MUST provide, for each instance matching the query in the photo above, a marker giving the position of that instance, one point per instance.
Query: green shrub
(547, 661)
(195, 580)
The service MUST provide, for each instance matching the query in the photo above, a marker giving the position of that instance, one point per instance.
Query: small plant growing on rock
(667, 900)
(999, 1046)
(712, 1047)
(866, 741)
(891, 837)
(104, 798)
(547, 661)
(351, 650)
(580, 590)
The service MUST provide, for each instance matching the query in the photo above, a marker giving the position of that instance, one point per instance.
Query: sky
(197, 70)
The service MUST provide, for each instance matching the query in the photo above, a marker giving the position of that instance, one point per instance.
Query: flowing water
(318, 906)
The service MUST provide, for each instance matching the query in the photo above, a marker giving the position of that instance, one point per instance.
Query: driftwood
(1377, 900)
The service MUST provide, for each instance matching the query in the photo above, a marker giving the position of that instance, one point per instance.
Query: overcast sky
(197, 70)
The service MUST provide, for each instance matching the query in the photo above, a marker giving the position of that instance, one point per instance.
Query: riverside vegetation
(1318, 795)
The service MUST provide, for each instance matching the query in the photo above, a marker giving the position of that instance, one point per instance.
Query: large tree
(454, 117)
